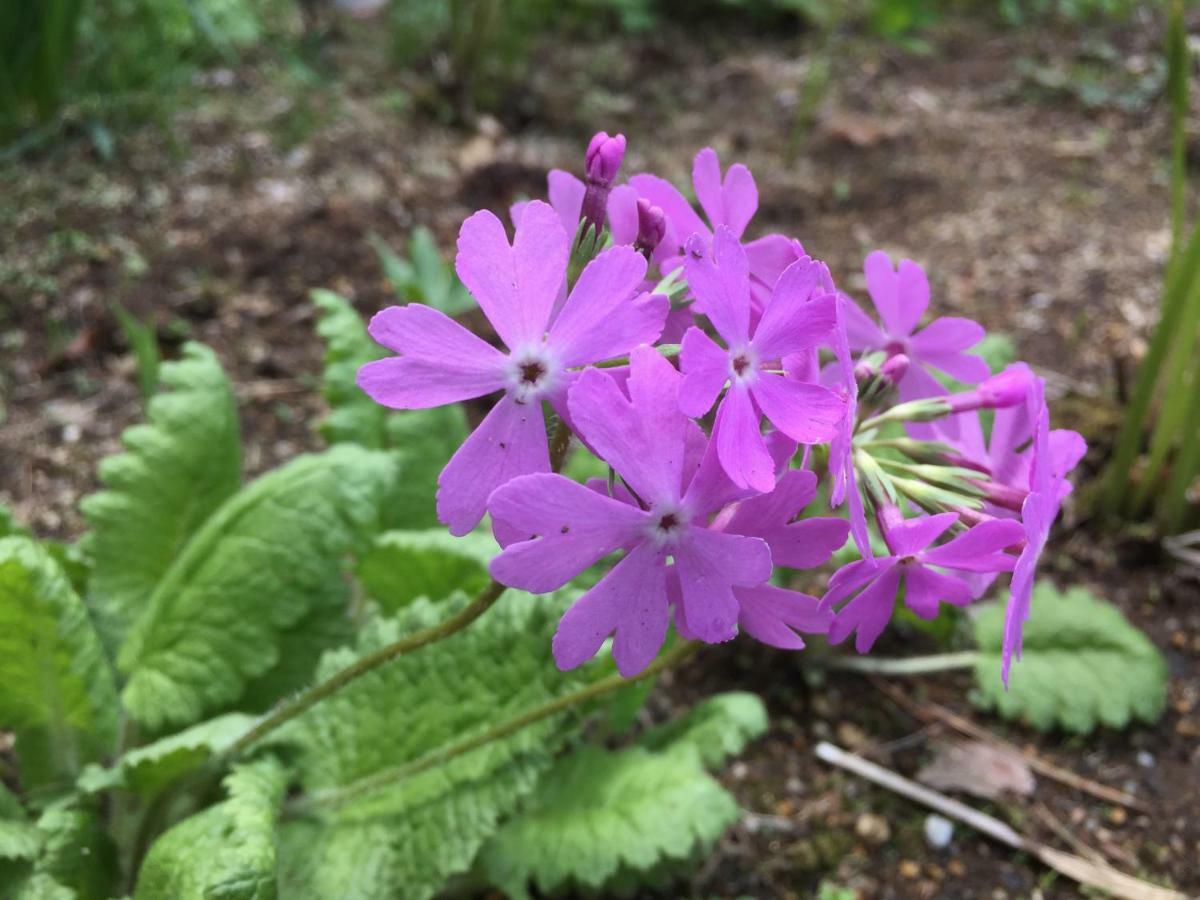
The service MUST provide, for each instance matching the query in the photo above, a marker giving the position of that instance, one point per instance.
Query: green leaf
(600, 812)
(1083, 664)
(425, 277)
(144, 345)
(77, 852)
(9, 526)
(150, 768)
(226, 852)
(717, 728)
(19, 838)
(406, 839)
(267, 559)
(58, 692)
(425, 439)
(178, 468)
(353, 416)
(405, 565)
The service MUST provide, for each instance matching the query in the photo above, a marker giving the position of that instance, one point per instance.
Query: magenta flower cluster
(720, 380)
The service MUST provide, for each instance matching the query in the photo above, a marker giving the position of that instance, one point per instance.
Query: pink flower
(871, 585)
(659, 455)
(901, 296)
(516, 285)
(1052, 459)
(793, 322)
(772, 614)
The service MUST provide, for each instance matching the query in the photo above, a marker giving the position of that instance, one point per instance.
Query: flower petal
(925, 590)
(913, 535)
(739, 197)
(791, 322)
(947, 334)
(912, 291)
(861, 331)
(510, 441)
(442, 361)
(623, 215)
(773, 615)
(869, 612)
(740, 445)
(516, 285)
(719, 278)
(979, 548)
(705, 367)
(601, 318)
(706, 180)
(966, 367)
(710, 564)
(807, 413)
(574, 527)
(642, 437)
(630, 602)
(565, 193)
(770, 254)
(883, 286)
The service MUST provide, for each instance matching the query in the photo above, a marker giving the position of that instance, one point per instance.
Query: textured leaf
(269, 557)
(425, 277)
(599, 812)
(19, 838)
(150, 768)
(58, 693)
(143, 343)
(77, 852)
(226, 852)
(405, 565)
(717, 728)
(353, 416)
(9, 526)
(177, 469)
(1083, 664)
(424, 439)
(406, 839)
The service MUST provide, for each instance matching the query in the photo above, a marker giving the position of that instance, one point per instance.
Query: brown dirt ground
(1036, 209)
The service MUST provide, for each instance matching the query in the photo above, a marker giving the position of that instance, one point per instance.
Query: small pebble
(938, 831)
(873, 829)
(1145, 760)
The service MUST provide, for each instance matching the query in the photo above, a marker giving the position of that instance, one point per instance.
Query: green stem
(339, 796)
(318, 692)
(917, 665)
(560, 442)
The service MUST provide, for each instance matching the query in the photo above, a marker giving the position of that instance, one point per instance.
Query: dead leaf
(858, 130)
(977, 768)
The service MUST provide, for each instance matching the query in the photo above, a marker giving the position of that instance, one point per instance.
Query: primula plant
(411, 663)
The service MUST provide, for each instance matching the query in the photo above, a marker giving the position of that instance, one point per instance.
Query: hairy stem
(560, 442)
(301, 703)
(338, 796)
(917, 665)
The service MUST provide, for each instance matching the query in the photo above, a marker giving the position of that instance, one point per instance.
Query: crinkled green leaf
(1083, 665)
(269, 557)
(226, 852)
(412, 835)
(150, 768)
(425, 277)
(405, 565)
(353, 416)
(143, 343)
(600, 812)
(177, 469)
(58, 693)
(41, 887)
(424, 439)
(77, 852)
(717, 728)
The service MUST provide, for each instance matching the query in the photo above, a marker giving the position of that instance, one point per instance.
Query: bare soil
(1038, 207)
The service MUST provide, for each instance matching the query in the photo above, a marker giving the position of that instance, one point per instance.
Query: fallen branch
(930, 712)
(1086, 872)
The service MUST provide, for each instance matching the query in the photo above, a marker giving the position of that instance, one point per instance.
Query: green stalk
(916, 665)
(305, 701)
(1181, 277)
(388, 777)
(1187, 462)
(1178, 60)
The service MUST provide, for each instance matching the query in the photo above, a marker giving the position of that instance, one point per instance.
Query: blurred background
(191, 169)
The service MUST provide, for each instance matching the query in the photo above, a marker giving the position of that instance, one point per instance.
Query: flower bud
(652, 227)
(1008, 388)
(894, 368)
(603, 159)
(863, 373)
(601, 163)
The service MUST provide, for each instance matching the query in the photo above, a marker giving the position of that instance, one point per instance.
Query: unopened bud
(895, 368)
(863, 372)
(1008, 388)
(601, 164)
(652, 227)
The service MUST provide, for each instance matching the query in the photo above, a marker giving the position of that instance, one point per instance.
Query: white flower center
(743, 365)
(532, 372)
(667, 525)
